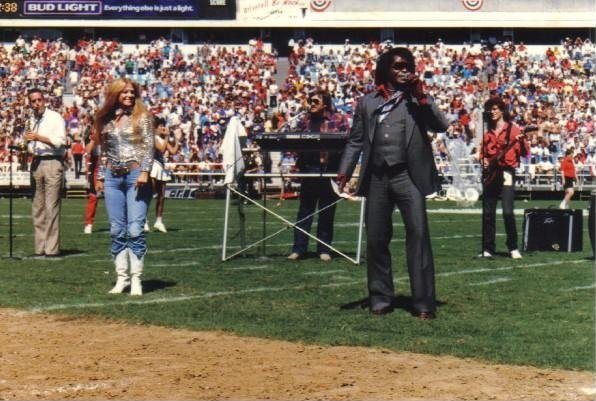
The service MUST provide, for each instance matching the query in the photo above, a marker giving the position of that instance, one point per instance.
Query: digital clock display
(9, 7)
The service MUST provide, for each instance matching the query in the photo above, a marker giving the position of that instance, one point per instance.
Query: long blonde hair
(107, 111)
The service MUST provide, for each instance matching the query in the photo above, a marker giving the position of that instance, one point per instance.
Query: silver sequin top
(121, 145)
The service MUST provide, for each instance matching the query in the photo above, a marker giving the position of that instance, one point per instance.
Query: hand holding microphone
(415, 87)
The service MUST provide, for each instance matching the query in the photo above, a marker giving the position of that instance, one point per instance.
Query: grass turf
(536, 311)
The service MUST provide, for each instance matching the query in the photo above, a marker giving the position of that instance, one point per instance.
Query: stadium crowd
(550, 93)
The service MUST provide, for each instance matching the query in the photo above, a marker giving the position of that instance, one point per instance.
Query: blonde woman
(124, 129)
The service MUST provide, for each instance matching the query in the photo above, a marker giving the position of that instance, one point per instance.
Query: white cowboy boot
(136, 270)
(121, 262)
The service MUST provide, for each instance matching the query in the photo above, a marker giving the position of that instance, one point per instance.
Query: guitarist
(499, 153)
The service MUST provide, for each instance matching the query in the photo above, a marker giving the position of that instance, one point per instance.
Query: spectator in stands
(165, 145)
(124, 130)
(536, 86)
(568, 177)
(317, 193)
(78, 150)
(397, 168)
(500, 151)
(46, 135)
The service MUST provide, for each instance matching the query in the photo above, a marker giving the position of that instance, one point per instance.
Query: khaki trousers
(48, 177)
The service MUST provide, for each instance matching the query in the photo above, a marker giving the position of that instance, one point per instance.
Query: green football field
(535, 311)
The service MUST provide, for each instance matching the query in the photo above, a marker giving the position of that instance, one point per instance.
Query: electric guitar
(491, 171)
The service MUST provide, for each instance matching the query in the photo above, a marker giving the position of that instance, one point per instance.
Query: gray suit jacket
(421, 163)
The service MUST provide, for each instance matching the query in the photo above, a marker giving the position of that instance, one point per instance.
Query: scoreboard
(118, 9)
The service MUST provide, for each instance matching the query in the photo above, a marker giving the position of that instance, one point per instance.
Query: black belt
(49, 157)
(389, 170)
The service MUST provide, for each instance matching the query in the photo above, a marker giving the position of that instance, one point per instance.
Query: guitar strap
(493, 166)
(507, 141)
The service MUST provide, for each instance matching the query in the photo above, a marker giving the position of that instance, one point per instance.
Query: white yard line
(494, 281)
(479, 211)
(262, 267)
(341, 278)
(322, 272)
(288, 244)
(183, 298)
(268, 289)
(173, 264)
(586, 287)
(28, 216)
(493, 269)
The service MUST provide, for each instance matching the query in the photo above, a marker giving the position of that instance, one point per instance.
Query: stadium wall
(337, 14)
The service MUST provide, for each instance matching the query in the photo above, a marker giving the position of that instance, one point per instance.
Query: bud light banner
(123, 9)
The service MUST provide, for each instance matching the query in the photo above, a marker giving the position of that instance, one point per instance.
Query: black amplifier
(553, 230)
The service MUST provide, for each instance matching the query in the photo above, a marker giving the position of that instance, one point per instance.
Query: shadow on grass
(170, 229)
(156, 285)
(72, 252)
(151, 285)
(273, 255)
(315, 255)
(63, 253)
(399, 302)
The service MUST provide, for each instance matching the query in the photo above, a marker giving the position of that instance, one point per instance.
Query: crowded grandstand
(549, 90)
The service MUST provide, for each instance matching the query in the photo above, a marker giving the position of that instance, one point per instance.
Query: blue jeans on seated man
(127, 210)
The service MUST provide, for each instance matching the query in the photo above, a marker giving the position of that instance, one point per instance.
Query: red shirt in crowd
(568, 167)
(77, 148)
(494, 142)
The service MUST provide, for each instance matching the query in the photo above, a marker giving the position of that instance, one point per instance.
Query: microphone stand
(10, 203)
(291, 119)
(483, 183)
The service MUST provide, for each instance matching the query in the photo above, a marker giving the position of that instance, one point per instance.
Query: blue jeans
(127, 210)
(315, 191)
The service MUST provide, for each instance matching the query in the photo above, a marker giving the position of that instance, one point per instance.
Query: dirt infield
(55, 357)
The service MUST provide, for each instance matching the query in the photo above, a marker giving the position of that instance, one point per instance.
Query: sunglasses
(315, 101)
(400, 66)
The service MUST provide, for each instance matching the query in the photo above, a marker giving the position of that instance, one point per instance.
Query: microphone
(291, 120)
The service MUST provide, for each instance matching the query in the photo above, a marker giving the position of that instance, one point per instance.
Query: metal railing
(196, 175)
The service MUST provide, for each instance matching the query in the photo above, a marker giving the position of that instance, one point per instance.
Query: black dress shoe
(424, 315)
(381, 310)
(54, 256)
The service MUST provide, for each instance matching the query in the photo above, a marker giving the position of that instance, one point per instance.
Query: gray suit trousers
(386, 190)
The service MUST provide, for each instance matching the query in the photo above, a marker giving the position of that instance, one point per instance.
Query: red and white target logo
(319, 5)
(472, 5)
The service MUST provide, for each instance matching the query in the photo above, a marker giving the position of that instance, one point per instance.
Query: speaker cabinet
(553, 230)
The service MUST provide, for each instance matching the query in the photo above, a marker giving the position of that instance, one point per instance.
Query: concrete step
(76, 194)
(283, 66)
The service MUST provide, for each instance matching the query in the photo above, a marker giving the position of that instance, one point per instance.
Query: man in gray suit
(397, 168)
